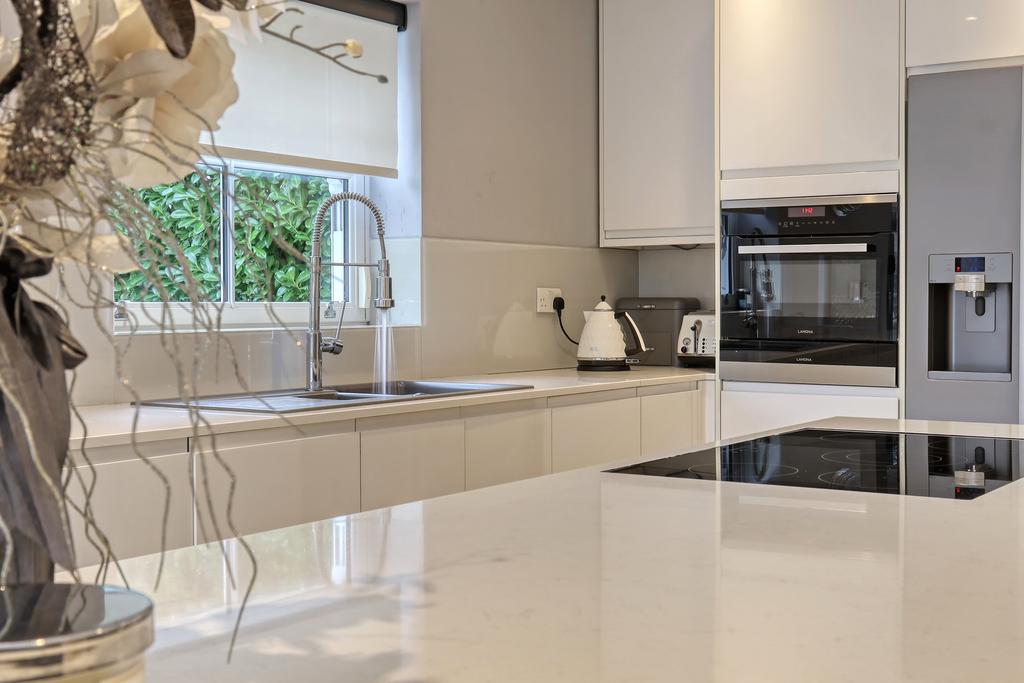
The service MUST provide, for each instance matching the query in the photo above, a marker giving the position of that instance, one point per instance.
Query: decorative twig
(322, 51)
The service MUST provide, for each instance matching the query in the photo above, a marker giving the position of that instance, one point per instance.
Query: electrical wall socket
(546, 298)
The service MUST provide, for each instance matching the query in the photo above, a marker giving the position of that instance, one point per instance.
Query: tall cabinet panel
(963, 30)
(809, 88)
(963, 199)
(657, 121)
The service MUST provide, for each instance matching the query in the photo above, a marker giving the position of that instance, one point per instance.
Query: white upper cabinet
(657, 122)
(809, 88)
(947, 31)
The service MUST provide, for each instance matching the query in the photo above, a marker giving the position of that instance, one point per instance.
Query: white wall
(401, 198)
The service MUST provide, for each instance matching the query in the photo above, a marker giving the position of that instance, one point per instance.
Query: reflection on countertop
(586, 576)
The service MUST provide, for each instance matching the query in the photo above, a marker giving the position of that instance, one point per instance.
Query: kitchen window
(244, 229)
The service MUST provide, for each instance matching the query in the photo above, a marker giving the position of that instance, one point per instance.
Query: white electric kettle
(602, 344)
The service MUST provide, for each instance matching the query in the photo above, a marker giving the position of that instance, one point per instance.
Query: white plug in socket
(546, 299)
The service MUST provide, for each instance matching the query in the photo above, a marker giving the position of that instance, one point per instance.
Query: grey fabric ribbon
(35, 349)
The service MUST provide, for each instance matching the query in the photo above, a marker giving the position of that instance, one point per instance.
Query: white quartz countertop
(586, 576)
(107, 425)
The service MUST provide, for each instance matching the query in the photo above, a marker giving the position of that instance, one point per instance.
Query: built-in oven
(810, 290)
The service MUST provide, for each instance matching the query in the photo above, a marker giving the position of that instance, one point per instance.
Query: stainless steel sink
(297, 400)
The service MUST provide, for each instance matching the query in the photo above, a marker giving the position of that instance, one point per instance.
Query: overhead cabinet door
(657, 121)
(807, 84)
(963, 30)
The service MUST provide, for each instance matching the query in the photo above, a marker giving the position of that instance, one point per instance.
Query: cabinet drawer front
(594, 433)
(125, 452)
(274, 435)
(412, 462)
(591, 397)
(507, 447)
(128, 505)
(278, 484)
(661, 389)
(670, 423)
(750, 412)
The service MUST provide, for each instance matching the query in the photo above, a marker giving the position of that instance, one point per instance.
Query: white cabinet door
(671, 420)
(507, 442)
(128, 501)
(963, 30)
(594, 429)
(282, 478)
(408, 458)
(657, 121)
(809, 83)
(709, 394)
(747, 412)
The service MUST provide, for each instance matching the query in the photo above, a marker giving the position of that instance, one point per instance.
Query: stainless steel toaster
(698, 337)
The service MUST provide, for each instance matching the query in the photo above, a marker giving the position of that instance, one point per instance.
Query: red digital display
(806, 211)
(969, 264)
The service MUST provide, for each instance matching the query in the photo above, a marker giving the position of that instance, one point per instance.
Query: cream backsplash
(478, 316)
(266, 359)
(480, 298)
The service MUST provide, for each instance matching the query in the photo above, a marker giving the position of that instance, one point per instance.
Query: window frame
(353, 286)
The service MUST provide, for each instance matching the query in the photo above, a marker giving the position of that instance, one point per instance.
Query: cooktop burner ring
(831, 480)
(859, 457)
(781, 471)
(855, 456)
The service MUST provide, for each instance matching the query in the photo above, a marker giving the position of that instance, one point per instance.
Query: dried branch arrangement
(99, 99)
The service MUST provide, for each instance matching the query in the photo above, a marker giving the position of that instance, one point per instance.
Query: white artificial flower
(150, 112)
(153, 107)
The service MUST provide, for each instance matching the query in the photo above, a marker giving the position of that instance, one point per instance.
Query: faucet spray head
(384, 299)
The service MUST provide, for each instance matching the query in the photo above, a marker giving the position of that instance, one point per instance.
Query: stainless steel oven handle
(853, 248)
(810, 201)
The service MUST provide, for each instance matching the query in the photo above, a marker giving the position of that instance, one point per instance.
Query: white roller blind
(298, 108)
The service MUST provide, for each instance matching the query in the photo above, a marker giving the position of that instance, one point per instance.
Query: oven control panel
(797, 216)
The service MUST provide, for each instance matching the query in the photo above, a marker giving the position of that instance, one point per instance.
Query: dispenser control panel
(969, 264)
(994, 267)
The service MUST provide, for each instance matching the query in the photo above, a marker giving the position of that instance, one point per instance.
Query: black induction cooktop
(961, 467)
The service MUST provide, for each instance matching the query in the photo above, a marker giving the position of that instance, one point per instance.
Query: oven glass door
(810, 288)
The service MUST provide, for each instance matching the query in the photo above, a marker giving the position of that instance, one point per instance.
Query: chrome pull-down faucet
(315, 343)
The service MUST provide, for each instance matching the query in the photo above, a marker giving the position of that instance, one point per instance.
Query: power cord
(558, 303)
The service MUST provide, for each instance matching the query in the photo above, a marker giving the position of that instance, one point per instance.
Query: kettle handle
(640, 345)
